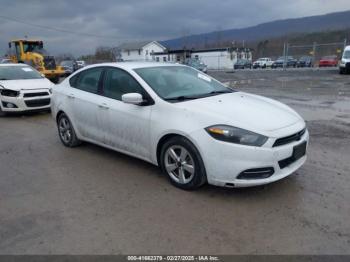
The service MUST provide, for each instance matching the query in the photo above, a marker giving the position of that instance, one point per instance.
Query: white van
(344, 66)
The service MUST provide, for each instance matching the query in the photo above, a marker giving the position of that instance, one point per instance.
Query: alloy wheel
(179, 164)
(65, 130)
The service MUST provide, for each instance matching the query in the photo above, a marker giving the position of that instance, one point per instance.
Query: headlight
(236, 135)
(50, 90)
(10, 93)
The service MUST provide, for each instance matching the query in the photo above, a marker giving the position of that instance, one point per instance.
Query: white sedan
(22, 88)
(192, 126)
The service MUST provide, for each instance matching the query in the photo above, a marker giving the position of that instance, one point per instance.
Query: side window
(118, 82)
(88, 80)
(73, 80)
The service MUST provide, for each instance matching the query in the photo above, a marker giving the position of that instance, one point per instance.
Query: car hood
(27, 84)
(251, 112)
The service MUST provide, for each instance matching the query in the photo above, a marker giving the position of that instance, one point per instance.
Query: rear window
(87, 80)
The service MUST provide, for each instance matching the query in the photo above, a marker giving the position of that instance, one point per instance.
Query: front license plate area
(299, 151)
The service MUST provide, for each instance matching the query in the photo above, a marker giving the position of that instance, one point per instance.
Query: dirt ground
(90, 200)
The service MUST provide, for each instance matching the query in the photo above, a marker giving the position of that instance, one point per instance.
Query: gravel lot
(90, 200)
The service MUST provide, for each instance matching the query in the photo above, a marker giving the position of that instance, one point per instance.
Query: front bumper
(224, 162)
(345, 66)
(28, 100)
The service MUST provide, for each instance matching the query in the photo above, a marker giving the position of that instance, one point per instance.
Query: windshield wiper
(213, 93)
(220, 92)
(3, 79)
(181, 98)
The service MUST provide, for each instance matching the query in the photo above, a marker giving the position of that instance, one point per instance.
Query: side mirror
(132, 98)
(10, 45)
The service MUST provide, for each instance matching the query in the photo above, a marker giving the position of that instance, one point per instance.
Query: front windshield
(18, 72)
(346, 54)
(180, 82)
(304, 58)
(34, 47)
(67, 63)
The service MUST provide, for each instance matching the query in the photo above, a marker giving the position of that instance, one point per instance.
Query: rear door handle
(71, 96)
(103, 106)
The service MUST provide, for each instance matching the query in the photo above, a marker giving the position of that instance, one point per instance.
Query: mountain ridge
(273, 29)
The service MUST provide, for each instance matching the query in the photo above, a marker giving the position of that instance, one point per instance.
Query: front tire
(182, 163)
(66, 132)
(2, 113)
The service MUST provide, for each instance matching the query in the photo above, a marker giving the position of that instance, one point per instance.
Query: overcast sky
(117, 21)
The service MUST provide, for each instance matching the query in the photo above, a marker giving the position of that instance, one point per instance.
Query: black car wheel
(66, 132)
(182, 163)
(2, 113)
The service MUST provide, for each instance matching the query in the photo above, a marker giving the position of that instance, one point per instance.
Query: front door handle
(71, 96)
(103, 106)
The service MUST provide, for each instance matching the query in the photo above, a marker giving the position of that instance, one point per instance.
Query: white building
(214, 58)
(140, 51)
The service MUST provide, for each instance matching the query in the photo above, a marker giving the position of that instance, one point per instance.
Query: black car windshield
(180, 83)
(305, 58)
(67, 63)
(18, 72)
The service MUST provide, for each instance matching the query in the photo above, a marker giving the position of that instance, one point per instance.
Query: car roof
(135, 65)
(329, 56)
(9, 64)
(347, 48)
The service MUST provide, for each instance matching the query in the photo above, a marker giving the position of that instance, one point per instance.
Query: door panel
(128, 126)
(84, 100)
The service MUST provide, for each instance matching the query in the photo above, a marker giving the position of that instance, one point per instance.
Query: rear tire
(181, 162)
(66, 132)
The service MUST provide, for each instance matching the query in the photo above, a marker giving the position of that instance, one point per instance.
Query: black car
(305, 61)
(69, 67)
(242, 64)
(290, 62)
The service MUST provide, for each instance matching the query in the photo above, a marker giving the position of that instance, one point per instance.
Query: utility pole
(284, 56)
(345, 42)
(314, 52)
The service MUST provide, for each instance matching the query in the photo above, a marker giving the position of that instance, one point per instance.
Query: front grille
(289, 139)
(38, 103)
(49, 62)
(257, 173)
(36, 94)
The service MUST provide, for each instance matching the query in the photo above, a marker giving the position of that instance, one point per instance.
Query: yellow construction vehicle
(32, 52)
